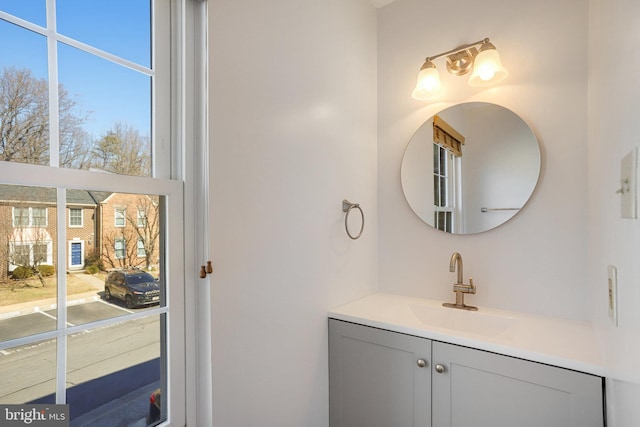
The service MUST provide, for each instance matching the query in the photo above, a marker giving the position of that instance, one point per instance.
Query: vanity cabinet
(378, 378)
(388, 379)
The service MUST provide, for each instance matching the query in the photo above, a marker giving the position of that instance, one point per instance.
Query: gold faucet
(459, 287)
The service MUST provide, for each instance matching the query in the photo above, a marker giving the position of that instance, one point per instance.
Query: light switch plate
(612, 273)
(628, 173)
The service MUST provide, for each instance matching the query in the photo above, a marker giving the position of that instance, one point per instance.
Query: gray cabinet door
(479, 388)
(375, 377)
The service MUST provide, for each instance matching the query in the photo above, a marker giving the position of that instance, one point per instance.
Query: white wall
(613, 132)
(537, 261)
(293, 133)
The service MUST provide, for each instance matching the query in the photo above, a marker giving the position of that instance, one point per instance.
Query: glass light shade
(487, 68)
(428, 83)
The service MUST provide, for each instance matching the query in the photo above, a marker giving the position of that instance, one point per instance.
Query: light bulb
(428, 83)
(487, 67)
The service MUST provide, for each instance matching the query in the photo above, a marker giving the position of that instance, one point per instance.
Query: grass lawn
(16, 292)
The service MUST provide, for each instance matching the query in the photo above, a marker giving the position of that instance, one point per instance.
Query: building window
(21, 255)
(142, 217)
(30, 254)
(39, 217)
(20, 217)
(40, 254)
(141, 252)
(120, 248)
(121, 218)
(29, 217)
(75, 217)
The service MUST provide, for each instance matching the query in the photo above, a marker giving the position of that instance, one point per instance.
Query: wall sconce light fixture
(482, 56)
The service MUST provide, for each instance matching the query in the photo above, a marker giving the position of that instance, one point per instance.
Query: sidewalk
(7, 311)
(130, 410)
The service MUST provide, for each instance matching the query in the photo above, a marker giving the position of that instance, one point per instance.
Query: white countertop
(559, 342)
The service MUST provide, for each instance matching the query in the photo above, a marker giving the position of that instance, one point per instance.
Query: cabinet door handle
(422, 363)
(440, 368)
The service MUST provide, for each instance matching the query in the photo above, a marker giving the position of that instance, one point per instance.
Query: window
(141, 250)
(29, 217)
(21, 255)
(98, 79)
(30, 254)
(443, 188)
(142, 217)
(39, 217)
(75, 217)
(21, 217)
(40, 253)
(120, 217)
(120, 248)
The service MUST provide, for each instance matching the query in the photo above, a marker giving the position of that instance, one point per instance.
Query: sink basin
(472, 322)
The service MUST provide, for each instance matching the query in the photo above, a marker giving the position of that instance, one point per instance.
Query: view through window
(86, 277)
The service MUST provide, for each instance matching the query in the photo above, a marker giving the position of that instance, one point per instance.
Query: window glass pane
(30, 10)
(28, 287)
(75, 217)
(121, 257)
(38, 217)
(111, 384)
(120, 27)
(120, 217)
(113, 133)
(24, 95)
(28, 372)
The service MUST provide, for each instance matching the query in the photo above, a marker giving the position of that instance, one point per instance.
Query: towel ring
(347, 207)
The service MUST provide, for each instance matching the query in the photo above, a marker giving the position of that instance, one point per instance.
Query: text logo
(34, 415)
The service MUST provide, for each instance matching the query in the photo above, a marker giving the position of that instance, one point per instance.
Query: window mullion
(61, 348)
(54, 140)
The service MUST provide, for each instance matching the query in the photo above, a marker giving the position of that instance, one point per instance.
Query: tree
(123, 241)
(24, 122)
(147, 227)
(24, 117)
(30, 240)
(124, 151)
(121, 246)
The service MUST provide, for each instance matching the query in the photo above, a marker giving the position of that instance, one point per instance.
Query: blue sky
(110, 93)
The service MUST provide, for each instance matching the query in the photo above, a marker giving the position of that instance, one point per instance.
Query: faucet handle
(472, 287)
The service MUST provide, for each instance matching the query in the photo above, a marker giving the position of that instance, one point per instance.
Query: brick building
(123, 227)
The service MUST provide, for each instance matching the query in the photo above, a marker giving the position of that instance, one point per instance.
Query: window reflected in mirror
(470, 168)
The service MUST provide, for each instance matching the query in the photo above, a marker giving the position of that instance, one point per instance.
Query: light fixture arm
(457, 49)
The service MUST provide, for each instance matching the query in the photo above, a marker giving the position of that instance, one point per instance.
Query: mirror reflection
(470, 168)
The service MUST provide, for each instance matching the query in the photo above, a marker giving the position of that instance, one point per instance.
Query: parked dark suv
(133, 286)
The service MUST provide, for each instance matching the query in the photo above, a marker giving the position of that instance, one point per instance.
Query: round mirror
(470, 168)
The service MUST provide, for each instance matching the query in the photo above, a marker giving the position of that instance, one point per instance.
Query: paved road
(102, 363)
(44, 321)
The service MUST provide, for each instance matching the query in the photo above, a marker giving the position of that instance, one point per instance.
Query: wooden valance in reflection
(447, 136)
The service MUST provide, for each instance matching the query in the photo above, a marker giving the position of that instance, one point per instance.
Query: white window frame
(188, 102)
(119, 217)
(140, 250)
(81, 217)
(30, 245)
(120, 245)
(447, 206)
(141, 218)
(30, 216)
